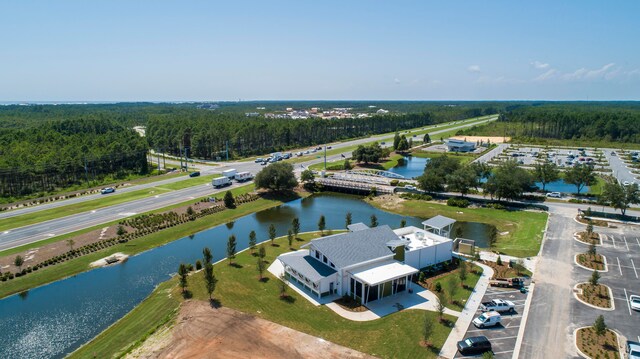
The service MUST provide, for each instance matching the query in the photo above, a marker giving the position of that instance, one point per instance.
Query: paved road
(491, 154)
(44, 230)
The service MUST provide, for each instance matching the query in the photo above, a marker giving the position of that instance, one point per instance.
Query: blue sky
(417, 50)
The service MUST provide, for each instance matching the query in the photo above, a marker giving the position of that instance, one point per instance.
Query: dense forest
(46, 147)
(59, 154)
(610, 122)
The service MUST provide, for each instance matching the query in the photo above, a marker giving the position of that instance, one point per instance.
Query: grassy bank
(105, 201)
(391, 162)
(462, 158)
(238, 287)
(52, 273)
(520, 231)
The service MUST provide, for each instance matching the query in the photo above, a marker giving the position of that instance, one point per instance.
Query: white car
(634, 302)
(554, 195)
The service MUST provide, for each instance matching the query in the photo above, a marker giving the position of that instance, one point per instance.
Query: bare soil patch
(595, 222)
(484, 139)
(39, 254)
(202, 331)
(595, 262)
(594, 346)
(597, 295)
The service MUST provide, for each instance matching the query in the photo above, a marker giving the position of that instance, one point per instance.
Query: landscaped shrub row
(144, 224)
(36, 202)
(418, 196)
(458, 202)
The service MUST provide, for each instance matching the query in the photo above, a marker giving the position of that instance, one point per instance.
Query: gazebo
(439, 225)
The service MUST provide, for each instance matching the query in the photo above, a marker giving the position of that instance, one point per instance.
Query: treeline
(206, 136)
(59, 154)
(590, 121)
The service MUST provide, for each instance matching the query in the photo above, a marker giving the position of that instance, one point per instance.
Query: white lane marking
(5, 232)
(156, 196)
(613, 238)
(638, 240)
(627, 300)
(502, 352)
(94, 211)
(634, 268)
(619, 267)
(503, 338)
(51, 235)
(625, 242)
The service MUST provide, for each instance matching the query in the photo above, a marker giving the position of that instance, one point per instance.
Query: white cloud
(396, 81)
(586, 74)
(547, 75)
(539, 65)
(474, 68)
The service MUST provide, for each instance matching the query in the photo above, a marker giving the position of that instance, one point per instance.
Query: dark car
(474, 345)
(194, 174)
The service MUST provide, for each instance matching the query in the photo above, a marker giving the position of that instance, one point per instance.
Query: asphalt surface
(44, 230)
(504, 335)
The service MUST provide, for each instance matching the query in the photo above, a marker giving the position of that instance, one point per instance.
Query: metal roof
(306, 265)
(384, 272)
(357, 227)
(350, 248)
(439, 222)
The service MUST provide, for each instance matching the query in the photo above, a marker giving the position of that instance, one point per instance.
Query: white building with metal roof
(365, 263)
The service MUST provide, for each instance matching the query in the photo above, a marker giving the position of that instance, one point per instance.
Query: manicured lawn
(462, 158)
(524, 228)
(62, 270)
(392, 161)
(395, 336)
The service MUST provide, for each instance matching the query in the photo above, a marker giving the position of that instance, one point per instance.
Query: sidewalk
(449, 348)
(529, 263)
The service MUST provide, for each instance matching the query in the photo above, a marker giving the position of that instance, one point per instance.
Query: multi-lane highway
(55, 227)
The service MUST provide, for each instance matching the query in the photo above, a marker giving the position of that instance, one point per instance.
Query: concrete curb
(575, 294)
(576, 238)
(604, 259)
(575, 343)
(523, 322)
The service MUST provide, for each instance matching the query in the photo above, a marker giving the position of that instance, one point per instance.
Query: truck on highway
(220, 182)
(507, 282)
(244, 176)
(498, 305)
(230, 173)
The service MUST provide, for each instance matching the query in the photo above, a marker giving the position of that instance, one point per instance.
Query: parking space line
(638, 240)
(503, 338)
(613, 238)
(634, 268)
(627, 300)
(625, 242)
(502, 352)
(619, 267)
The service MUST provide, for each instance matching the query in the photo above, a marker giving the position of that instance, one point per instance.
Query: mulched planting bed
(504, 271)
(595, 295)
(350, 304)
(590, 261)
(602, 347)
(595, 222)
(594, 239)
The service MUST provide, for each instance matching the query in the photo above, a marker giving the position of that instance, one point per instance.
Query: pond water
(410, 167)
(479, 232)
(53, 320)
(562, 186)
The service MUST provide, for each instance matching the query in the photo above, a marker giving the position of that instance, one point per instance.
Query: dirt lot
(205, 332)
(493, 139)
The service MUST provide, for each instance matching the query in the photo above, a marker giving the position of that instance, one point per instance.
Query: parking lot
(621, 247)
(504, 335)
(528, 156)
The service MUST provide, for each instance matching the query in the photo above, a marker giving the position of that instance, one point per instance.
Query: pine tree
(209, 279)
(252, 241)
(295, 225)
(290, 237)
(347, 219)
(206, 255)
(231, 248)
(272, 232)
(229, 201)
(374, 221)
(321, 224)
(183, 272)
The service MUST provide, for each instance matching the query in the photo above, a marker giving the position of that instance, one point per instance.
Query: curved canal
(53, 320)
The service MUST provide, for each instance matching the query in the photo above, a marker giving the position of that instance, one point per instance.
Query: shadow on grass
(187, 294)
(264, 279)
(236, 265)
(299, 239)
(284, 196)
(275, 245)
(288, 299)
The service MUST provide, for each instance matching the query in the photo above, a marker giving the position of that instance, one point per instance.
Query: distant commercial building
(460, 145)
(382, 111)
